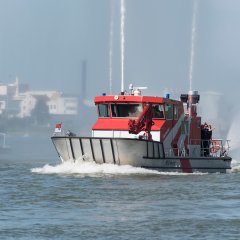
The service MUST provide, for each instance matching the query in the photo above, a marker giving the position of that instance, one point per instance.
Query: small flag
(58, 128)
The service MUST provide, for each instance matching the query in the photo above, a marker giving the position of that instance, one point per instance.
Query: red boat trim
(186, 166)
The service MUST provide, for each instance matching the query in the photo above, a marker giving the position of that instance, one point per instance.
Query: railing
(203, 148)
(176, 152)
(215, 148)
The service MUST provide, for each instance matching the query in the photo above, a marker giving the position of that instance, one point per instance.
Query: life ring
(215, 146)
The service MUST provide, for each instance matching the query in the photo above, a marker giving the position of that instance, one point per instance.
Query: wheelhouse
(114, 113)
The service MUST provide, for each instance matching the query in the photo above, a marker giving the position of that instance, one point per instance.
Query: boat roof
(133, 99)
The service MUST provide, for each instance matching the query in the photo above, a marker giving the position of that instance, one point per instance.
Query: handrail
(208, 148)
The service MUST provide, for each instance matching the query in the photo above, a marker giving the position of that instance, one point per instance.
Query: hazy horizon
(44, 43)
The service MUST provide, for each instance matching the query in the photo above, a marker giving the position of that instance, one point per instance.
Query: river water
(44, 199)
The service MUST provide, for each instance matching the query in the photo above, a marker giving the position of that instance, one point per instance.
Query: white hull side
(134, 152)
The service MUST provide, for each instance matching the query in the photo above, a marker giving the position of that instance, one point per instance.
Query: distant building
(17, 101)
(60, 105)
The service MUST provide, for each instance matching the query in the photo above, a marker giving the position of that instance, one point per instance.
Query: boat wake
(235, 166)
(85, 168)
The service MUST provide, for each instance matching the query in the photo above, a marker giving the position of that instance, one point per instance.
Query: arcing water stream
(193, 36)
(111, 46)
(122, 12)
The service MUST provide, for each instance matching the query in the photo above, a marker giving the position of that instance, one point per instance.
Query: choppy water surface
(43, 199)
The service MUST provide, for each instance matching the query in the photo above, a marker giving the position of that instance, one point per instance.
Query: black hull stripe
(73, 155)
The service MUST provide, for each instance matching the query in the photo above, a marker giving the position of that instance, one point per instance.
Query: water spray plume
(111, 46)
(233, 136)
(122, 12)
(193, 35)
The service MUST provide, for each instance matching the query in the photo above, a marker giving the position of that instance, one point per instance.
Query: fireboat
(150, 132)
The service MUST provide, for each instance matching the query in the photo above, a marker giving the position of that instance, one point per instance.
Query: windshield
(126, 110)
(103, 110)
(158, 111)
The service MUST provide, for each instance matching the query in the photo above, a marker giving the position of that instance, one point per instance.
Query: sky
(44, 42)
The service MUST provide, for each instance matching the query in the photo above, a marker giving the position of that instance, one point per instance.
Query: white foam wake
(85, 168)
(235, 166)
(90, 168)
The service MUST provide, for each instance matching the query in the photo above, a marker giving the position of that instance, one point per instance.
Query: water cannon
(191, 99)
(136, 91)
(184, 98)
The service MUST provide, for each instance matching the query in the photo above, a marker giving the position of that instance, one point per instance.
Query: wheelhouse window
(122, 110)
(103, 110)
(158, 111)
(169, 111)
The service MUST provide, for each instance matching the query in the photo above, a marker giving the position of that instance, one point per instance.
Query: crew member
(206, 136)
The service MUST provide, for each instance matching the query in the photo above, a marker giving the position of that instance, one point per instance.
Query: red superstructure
(172, 111)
